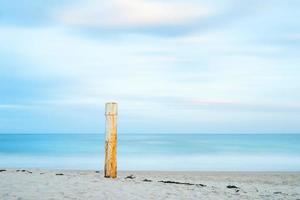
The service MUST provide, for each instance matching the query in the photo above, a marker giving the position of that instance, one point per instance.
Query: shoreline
(33, 184)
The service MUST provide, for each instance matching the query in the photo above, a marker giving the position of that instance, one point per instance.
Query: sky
(173, 66)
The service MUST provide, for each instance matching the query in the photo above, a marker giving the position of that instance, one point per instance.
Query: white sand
(89, 185)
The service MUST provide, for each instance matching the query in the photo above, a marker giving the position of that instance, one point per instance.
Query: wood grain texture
(110, 168)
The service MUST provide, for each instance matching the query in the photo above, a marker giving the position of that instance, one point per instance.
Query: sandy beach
(27, 184)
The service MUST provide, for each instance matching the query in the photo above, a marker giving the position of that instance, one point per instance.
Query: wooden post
(110, 168)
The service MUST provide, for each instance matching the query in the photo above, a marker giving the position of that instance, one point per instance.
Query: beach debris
(2, 170)
(42, 173)
(201, 185)
(237, 189)
(182, 183)
(59, 174)
(19, 170)
(147, 180)
(23, 170)
(97, 171)
(277, 192)
(130, 177)
(232, 187)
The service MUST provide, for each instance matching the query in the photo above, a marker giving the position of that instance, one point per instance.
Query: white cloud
(12, 106)
(118, 14)
(157, 80)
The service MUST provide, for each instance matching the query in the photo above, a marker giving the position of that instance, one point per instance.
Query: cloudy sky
(174, 66)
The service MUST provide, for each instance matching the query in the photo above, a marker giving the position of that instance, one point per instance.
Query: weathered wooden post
(110, 168)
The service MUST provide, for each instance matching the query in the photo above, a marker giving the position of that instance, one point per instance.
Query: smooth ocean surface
(210, 152)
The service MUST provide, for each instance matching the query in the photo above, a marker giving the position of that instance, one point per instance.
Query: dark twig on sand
(130, 177)
(182, 183)
(147, 180)
(2, 170)
(277, 193)
(237, 189)
(23, 170)
(232, 187)
(60, 174)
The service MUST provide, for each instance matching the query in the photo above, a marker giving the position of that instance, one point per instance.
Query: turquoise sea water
(263, 152)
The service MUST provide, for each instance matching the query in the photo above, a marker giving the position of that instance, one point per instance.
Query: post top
(111, 108)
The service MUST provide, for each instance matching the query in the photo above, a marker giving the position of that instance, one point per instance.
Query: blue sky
(196, 66)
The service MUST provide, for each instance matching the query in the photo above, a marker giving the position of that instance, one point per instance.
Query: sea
(154, 152)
